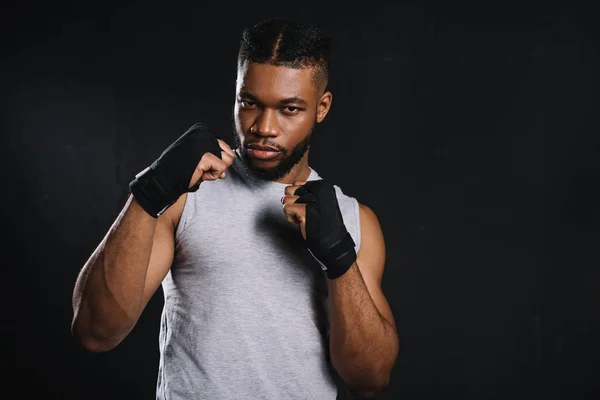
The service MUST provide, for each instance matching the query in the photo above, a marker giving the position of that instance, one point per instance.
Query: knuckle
(206, 157)
(219, 164)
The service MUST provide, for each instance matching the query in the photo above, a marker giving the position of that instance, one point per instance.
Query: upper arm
(371, 260)
(163, 249)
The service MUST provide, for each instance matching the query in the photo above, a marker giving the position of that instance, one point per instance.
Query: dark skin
(127, 267)
(279, 106)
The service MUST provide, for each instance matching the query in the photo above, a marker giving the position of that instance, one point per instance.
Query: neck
(300, 172)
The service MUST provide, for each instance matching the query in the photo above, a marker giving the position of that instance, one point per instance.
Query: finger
(225, 147)
(299, 183)
(210, 165)
(289, 199)
(216, 174)
(227, 158)
(208, 176)
(289, 190)
(295, 212)
(210, 162)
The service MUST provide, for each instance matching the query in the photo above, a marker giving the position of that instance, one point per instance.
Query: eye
(292, 110)
(248, 104)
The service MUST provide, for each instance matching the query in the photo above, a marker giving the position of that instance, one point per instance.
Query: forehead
(266, 80)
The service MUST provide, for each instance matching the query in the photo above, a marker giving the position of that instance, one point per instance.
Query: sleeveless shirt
(245, 312)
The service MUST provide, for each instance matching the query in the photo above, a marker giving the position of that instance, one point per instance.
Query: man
(265, 292)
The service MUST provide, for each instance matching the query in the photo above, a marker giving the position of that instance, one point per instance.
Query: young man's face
(276, 108)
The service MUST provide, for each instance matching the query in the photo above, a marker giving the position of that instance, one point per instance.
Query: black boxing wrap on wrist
(160, 185)
(327, 238)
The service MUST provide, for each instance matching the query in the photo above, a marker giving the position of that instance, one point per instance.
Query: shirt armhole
(357, 219)
(183, 220)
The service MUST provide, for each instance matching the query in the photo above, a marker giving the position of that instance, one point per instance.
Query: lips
(263, 152)
(262, 148)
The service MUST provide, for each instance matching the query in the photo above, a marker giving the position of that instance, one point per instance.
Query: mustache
(249, 138)
(267, 143)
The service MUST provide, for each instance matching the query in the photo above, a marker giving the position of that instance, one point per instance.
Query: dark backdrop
(471, 128)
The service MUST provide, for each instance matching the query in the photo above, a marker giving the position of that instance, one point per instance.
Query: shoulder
(372, 250)
(369, 222)
(367, 216)
(366, 212)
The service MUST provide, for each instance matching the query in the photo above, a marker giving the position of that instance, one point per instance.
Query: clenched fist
(314, 207)
(196, 156)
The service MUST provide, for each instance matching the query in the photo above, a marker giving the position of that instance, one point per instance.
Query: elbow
(92, 342)
(94, 345)
(369, 386)
(369, 392)
(365, 385)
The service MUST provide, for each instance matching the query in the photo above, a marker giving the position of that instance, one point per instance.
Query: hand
(313, 205)
(295, 212)
(195, 156)
(211, 167)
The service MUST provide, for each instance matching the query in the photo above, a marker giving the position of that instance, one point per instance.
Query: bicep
(163, 249)
(371, 260)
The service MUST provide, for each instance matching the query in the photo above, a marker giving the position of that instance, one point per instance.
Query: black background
(470, 128)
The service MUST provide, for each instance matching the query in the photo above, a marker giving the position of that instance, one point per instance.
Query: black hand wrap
(328, 240)
(160, 185)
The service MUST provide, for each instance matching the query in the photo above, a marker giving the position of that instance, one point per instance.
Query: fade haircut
(287, 43)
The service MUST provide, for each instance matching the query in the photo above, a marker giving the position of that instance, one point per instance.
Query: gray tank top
(245, 304)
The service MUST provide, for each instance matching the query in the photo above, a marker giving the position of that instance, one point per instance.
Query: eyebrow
(289, 100)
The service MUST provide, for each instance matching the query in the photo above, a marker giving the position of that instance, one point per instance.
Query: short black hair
(288, 43)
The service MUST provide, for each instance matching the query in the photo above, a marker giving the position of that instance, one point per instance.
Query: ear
(323, 106)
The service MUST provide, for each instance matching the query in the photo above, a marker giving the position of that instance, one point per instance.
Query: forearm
(109, 289)
(363, 344)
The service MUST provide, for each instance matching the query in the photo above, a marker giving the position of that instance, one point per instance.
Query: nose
(266, 124)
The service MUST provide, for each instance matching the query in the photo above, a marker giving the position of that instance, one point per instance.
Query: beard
(288, 160)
